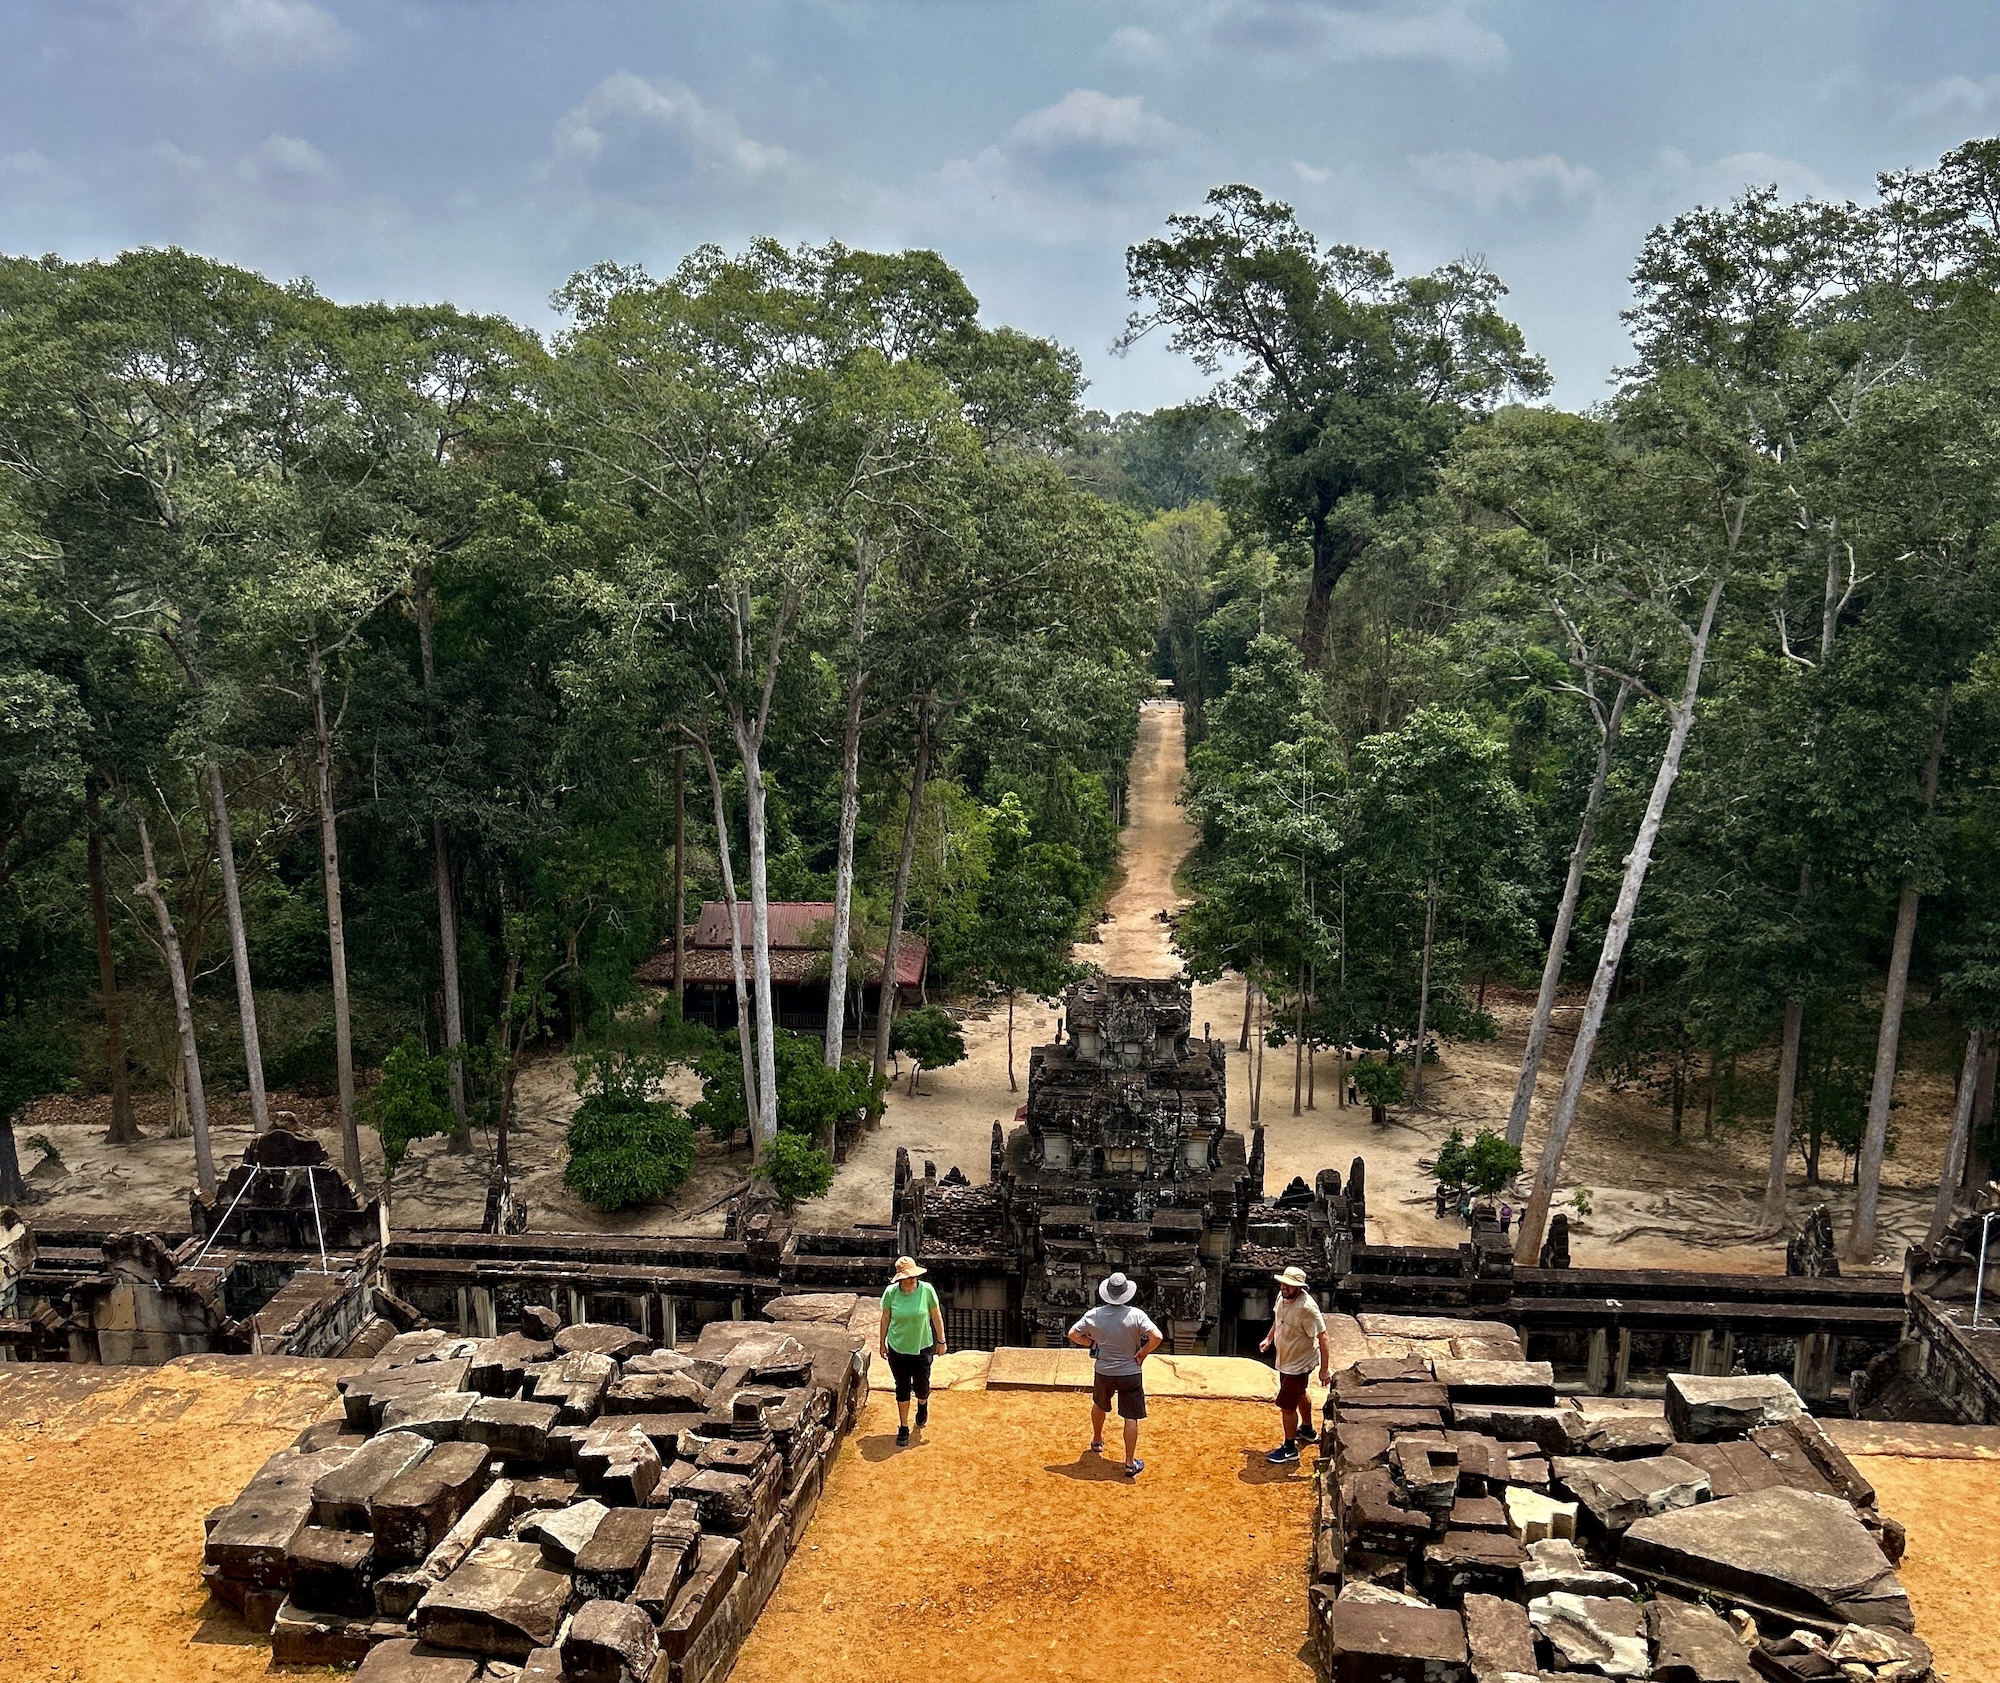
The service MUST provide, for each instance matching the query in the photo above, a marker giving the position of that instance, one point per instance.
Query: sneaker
(1095, 1449)
(923, 1414)
(1284, 1455)
(903, 1436)
(1134, 1468)
(1307, 1434)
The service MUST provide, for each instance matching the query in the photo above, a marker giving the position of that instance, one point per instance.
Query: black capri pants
(913, 1374)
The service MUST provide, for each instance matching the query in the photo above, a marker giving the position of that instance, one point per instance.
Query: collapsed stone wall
(1472, 1527)
(571, 1501)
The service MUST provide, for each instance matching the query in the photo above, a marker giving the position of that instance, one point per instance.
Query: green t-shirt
(910, 1317)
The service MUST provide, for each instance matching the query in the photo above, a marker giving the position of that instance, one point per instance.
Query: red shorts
(1292, 1389)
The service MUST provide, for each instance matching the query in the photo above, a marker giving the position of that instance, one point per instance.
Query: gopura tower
(1126, 1161)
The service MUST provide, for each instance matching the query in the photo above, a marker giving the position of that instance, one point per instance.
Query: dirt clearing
(994, 1548)
(1951, 1509)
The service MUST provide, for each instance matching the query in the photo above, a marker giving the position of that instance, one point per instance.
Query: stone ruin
(559, 1502)
(1474, 1527)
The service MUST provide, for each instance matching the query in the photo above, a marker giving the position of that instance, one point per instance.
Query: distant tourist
(1440, 1201)
(912, 1334)
(1506, 1218)
(1119, 1338)
(1298, 1332)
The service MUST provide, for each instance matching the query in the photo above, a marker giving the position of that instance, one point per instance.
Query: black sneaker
(1284, 1455)
(903, 1436)
(923, 1414)
(1308, 1435)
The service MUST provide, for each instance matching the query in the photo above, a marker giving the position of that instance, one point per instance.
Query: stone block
(1358, 1444)
(713, 1652)
(437, 1415)
(255, 1607)
(1822, 1468)
(609, 1565)
(1478, 1513)
(1388, 1419)
(1366, 1642)
(1782, 1551)
(1625, 1437)
(1531, 1516)
(1555, 1431)
(1462, 1563)
(1734, 1468)
(732, 1503)
(619, 1463)
(498, 1366)
(1616, 1494)
(411, 1514)
(333, 1571)
(500, 1601)
(1694, 1644)
(366, 1396)
(1374, 1518)
(1703, 1408)
(1388, 1370)
(603, 1339)
(834, 1308)
(1591, 1632)
(700, 1598)
(340, 1498)
(797, 1504)
(247, 1543)
(608, 1642)
(1499, 1637)
(675, 1551)
(656, 1393)
(1527, 1384)
(539, 1322)
(303, 1637)
(563, 1532)
(514, 1431)
(399, 1660)
(1861, 1645)
(576, 1385)
(1557, 1565)
(1393, 1394)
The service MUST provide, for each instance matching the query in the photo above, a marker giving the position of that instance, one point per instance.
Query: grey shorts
(1128, 1388)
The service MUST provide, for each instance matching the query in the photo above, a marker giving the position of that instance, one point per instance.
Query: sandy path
(992, 1549)
(1951, 1509)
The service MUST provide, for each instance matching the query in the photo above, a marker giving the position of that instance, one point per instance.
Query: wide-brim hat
(908, 1269)
(1116, 1289)
(1293, 1276)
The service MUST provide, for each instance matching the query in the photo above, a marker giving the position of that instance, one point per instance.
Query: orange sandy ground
(1951, 1510)
(993, 1548)
(104, 1486)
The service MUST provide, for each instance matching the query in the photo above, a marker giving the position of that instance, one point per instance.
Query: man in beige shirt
(1298, 1333)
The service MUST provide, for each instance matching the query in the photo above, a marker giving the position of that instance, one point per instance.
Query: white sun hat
(1293, 1276)
(1118, 1290)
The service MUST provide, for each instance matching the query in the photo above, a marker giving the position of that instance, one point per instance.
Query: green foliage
(411, 1101)
(1378, 1081)
(930, 1035)
(626, 1148)
(811, 1098)
(1579, 1197)
(34, 1063)
(1491, 1163)
(1453, 1166)
(796, 1168)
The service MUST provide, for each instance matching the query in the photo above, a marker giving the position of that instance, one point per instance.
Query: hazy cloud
(1442, 31)
(253, 34)
(284, 161)
(636, 139)
(1137, 46)
(1543, 183)
(1959, 97)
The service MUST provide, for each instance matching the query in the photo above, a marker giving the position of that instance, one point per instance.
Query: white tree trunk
(1775, 1203)
(843, 870)
(1552, 968)
(1961, 1138)
(177, 981)
(885, 1016)
(1875, 1143)
(336, 931)
(765, 1117)
(745, 1041)
(1424, 993)
(239, 951)
(447, 898)
(1534, 1220)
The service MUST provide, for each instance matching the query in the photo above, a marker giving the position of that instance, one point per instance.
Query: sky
(480, 151)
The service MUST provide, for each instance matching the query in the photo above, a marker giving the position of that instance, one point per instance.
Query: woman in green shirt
(912, 1333)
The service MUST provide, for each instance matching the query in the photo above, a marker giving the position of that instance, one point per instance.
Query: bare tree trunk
(1961, 1138)
(1243, 1039)
(1013, 1086)
(1312, 1067)
(1299, 1048)
(14, 1188)
(336, 926)
(239, 951)
(680, 879)
(1535, 1218)
(460, 1141)
(899, 901)
(850, 818)
(177, 980)
(1424, 993)
(1257, 1064)
(1773, 1217)
(1552, 968)
(124, 1128)
(1875, 1143)
(765, 1117)
(509, 1054)
(745, 1041)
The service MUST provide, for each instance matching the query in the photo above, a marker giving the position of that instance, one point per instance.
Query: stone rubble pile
(561, 1502)
(1473, 1527)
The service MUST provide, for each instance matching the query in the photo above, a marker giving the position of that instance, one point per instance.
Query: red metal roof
(801, 936)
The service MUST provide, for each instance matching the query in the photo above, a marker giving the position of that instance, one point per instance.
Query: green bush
(796, 1168)
(810, 1096)
(1491, 1163)
(930, 1036)
(412, 1101)
(1380, 1083)
(624, 1147)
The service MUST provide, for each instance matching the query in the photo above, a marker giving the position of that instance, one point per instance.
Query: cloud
(1958, 97)
(1437, 31)
(643, 140)
(1727, 178)
(1539, 184)
(284, 162)
(1087, 135)
(1137, 46)
(252, 34)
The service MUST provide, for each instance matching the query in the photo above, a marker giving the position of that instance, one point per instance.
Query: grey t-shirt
(1116, 1332)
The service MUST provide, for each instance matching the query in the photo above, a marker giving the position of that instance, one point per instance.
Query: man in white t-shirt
(1119, 1338)
(1298, 1333)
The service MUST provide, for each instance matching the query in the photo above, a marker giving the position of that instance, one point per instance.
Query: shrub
(412, 1101)
(796, 1168)
(622, 1153)
(1380, 1083)
(931, 1038)
(1492, 1162)
(810, 1096)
